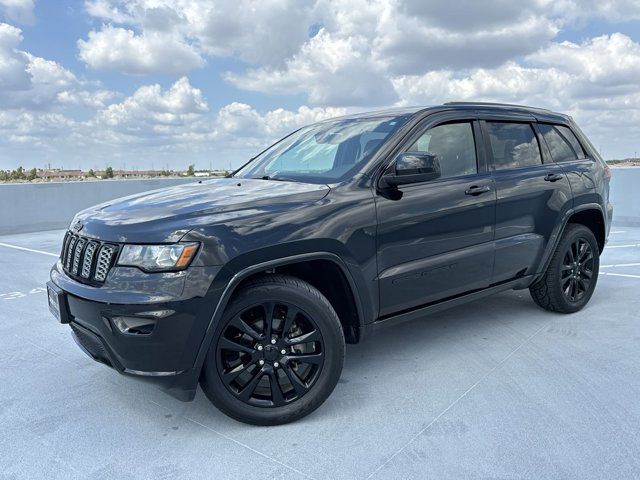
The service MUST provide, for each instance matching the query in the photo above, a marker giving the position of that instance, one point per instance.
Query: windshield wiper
(279, 179)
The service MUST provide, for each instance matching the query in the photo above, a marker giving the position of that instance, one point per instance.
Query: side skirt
(420, 312)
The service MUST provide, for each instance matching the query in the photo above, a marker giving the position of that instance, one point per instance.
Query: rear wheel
(278, 352)
(571, 277)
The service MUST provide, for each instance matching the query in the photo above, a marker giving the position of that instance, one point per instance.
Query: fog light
(134, 326)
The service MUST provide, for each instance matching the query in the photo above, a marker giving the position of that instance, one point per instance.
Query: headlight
(158, 258)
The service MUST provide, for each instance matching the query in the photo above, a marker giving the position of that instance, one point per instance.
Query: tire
(298, 372)
(554, 291)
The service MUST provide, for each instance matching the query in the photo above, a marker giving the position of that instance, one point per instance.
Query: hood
(166, 215)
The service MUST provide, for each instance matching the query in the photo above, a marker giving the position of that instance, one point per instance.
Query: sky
(143, 84)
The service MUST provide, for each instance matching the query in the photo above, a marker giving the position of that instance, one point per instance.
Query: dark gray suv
(251, 285)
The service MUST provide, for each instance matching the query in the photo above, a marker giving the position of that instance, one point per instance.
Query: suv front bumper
(164, 353)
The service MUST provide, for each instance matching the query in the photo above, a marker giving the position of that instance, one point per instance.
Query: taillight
(607, 171)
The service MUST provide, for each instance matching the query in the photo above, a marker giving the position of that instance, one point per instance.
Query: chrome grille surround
(77, 254)
(70, 251)
(87, 260)
(104, 262)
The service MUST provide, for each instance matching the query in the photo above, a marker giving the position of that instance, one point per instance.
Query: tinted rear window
(562, 143)
(513, 145)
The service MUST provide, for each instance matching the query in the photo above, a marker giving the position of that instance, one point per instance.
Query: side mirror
(412, 167)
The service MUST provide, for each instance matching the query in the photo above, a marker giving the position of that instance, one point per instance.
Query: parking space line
(457, 400)
(631, 245)
(621, 265)
(626, 275)
(237, 442)
(16, 247)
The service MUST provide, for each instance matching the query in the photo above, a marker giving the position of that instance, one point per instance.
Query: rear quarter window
(562, 143)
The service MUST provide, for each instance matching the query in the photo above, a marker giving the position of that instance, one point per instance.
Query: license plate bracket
(57, 300)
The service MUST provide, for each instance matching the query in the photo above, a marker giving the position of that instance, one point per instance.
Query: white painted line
(633, 245)
(618, 231)
(28, 249)
(621, 265)
(619, 275)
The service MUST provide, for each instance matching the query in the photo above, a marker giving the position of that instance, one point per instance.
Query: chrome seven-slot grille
(87, 259)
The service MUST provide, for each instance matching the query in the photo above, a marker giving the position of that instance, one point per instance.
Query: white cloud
(562, 75)
(611, 10)
(180, 115)
(108, 10)
(114, 48)
(366, 43)
(150, 112)
(357, 49)
(27, 81)
(241, 120)
(264, 32)
(330, 70)
(609, 64)
(412, 45)
(13, 74)
(18, 11)
(471, 15)
(508, 83)
(35, 126)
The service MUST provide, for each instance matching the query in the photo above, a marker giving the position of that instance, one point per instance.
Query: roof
(500, 106)
(402, 111)
(388, 112)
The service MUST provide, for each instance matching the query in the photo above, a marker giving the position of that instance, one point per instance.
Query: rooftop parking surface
(493, 389)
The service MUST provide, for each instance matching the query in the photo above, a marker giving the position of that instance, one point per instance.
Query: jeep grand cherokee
(251, 285)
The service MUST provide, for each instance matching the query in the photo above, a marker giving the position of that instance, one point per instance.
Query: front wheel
(277, 354)
(571, 276)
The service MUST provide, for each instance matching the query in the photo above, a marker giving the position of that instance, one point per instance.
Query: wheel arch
(591, 215)
(284, 264)
(593, 219)
(333, 281)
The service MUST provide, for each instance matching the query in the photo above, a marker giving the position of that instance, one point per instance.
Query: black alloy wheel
(270, 354)
(577, 270)
(570, 278)
(277, 352)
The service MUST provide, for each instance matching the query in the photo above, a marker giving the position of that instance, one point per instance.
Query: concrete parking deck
(492, 389)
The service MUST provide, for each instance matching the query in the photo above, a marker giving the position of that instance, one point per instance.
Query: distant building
(132, 173)
(60, 174)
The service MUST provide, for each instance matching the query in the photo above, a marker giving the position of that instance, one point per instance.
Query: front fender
(232, 275)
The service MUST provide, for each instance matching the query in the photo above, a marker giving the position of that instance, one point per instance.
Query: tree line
(21, 174)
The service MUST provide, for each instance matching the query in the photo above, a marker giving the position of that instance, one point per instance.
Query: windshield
(326, 152)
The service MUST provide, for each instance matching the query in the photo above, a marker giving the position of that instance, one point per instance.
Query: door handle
(477, 190)
(552, 177)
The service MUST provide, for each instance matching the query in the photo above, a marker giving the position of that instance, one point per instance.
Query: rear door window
(562, 143)
(514, 145)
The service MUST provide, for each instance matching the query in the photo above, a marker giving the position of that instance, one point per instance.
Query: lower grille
(90, 343)
(86, 259)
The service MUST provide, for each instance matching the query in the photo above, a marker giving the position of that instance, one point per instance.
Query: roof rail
(496, 104)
